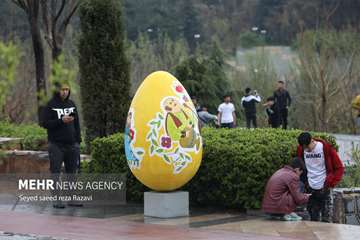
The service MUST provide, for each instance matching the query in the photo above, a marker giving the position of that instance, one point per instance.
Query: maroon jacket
(334, 166)
(282, 193)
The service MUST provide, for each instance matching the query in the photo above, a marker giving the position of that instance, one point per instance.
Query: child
(272, 113)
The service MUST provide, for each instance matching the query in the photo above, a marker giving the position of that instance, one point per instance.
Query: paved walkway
(304, 230)
(65, 227)
(29, 222)
(127, 222)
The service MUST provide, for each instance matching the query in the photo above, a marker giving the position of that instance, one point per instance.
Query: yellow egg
(163, 144)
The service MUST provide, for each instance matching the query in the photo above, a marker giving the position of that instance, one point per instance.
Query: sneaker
(292, 217)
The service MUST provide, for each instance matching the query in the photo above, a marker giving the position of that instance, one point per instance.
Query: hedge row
(32, 136)
(235, 167)
(108, 156)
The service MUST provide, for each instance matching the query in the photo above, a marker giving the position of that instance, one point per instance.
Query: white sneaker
(292, 217)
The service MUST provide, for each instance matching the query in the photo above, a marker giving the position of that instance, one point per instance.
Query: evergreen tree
(104, 69)
(9, 59)
(147, 56)
(192, 28)
(205, 77)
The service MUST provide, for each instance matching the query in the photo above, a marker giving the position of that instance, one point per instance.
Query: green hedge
(32, 136)
(235, 167)
(108, 156)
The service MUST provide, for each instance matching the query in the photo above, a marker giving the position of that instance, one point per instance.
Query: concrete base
(166, 205)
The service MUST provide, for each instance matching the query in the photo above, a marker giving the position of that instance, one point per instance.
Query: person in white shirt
(323, 171)
(226, 113)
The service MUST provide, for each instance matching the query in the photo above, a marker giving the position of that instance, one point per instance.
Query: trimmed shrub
(235, 167)
(104, 68)
(108, 156)
(32, 136)
(237, 164)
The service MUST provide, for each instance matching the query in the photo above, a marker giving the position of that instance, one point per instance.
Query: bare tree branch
(22, 4)
(52, 17)
(331, 11)
(47, 22)
(66, 21)
(63, 3)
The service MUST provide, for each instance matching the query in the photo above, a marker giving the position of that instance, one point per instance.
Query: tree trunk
(55, 53)
(39, 63)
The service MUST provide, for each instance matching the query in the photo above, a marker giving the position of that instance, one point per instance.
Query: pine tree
(104, 68)
(192, 27)
(204, 77)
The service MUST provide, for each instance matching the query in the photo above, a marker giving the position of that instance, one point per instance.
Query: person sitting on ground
(273, 116)
(205, 117)
(283, 102)
(282, 193)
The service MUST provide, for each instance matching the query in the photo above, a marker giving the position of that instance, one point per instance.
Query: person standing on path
(249, 102)
(282, 102)
(196, 103)
(226, 113)
(61, 119)
(271, 112)
(323, 171)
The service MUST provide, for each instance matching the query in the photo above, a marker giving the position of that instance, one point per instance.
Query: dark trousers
(59, 154)
(227, 125)
(251, 118)
(78, 158)
(283, 115)
(62, 153)
(274, 123)
(273, 120)
(319, 204)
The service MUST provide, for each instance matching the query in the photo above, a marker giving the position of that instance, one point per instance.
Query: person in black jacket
(61, 119)
(249, 103)
(271, 111)
(282, 102)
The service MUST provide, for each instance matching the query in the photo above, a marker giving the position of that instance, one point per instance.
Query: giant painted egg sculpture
(163, 145)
